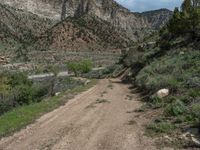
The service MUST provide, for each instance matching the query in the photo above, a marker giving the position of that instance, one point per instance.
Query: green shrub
(18, 78)
(161, 127)
(194, 93)
(157, 102)
(24, 94)
(16, 89)
(85, 66)
(81, 67)
(176, 108)
(192, 117)
(73, 67)
(5, 105)
(195, 110)
(4, 86)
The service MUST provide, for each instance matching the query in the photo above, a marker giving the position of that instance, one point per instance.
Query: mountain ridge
(108, 10)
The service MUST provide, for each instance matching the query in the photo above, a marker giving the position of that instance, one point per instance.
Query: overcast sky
(145, 5)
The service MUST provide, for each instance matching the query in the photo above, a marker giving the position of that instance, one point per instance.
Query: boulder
(87, 82)
(192, 135)
(196, 141)
(58, 93)
(162, 93)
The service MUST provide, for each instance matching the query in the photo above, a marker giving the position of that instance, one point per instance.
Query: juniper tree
(174, 24)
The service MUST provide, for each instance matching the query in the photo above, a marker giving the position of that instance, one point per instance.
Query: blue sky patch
(146, 5)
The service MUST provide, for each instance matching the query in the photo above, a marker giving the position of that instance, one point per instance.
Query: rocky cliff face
(107, 10)
(20, 24)
(44, 8)
(18, 27)
(157, 18)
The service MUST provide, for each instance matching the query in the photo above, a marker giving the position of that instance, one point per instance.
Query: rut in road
(101, 118)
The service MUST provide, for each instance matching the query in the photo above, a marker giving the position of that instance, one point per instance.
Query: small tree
(195, 22)
(174, 25)
(186, 6)
(86, 66)
(186, 21)
(81, 67)
(74, 67)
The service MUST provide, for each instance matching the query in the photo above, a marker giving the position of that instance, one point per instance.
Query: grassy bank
(178, 71)
(180, 74)
(20, 117)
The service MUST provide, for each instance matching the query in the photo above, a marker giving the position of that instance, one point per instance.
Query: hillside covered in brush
(76, 38)
(80, 34)
(171, 61)
(18, 27)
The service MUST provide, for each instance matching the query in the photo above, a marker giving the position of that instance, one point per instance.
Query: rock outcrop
(18, 23)
(157, 18)
(17, 28)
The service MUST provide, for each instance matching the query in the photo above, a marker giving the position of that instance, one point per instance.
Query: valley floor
(102, 118)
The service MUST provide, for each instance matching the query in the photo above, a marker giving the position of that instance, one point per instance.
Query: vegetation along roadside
(170, 62)
(23, 115)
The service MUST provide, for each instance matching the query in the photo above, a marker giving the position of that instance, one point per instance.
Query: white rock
(196, 141)
(163, 93)
(57, 94)
(191, 138)
(168, 138)
(87, 82)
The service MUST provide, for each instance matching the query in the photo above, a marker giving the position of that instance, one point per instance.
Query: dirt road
(101, 118)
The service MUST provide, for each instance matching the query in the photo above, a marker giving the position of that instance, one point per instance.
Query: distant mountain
(157, 18)
(133, 23)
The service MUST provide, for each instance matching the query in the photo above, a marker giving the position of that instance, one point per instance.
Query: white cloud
(145, 5)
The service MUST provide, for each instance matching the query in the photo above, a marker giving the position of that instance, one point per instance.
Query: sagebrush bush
(179, 72)
(195, 110)
(16, 89)
(81, 67)
(161, 127)
(175, 108)
(169, 72)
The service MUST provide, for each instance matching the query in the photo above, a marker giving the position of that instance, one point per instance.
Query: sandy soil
(101, 118)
